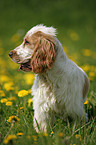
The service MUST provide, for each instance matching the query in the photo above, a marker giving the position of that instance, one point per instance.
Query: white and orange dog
(60, 87)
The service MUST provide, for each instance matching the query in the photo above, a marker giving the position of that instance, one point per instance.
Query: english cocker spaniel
(60, 87)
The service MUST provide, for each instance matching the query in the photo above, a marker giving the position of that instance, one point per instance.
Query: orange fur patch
(44, 53)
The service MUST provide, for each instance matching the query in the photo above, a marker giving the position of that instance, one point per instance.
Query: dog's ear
(44, 55)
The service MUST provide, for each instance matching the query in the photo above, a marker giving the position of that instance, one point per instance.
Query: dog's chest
(46, 94)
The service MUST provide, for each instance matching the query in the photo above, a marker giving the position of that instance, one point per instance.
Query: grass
(75, 22)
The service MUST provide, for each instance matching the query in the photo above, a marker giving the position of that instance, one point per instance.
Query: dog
(60, 86)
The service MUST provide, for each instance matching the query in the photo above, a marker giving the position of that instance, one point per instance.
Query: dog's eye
(26, 42)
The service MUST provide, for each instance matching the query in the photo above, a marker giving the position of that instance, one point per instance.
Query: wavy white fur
(47, 30)
(59, 90)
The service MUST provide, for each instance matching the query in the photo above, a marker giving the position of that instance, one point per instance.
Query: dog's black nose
(10, 54)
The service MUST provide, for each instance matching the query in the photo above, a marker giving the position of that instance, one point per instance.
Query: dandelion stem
(81, 127)
(24, 105)
(9, 130)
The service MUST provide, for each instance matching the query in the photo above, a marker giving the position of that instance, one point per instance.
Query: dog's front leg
(43, 120)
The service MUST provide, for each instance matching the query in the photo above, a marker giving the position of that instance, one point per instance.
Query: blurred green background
(62, 14)
(68, 16)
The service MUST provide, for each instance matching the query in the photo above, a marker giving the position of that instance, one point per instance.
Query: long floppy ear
(44, 55)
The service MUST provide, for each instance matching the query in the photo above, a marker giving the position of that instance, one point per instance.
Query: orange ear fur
(44, 55)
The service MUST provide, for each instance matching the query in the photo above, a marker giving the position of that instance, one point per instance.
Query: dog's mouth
(25, 66)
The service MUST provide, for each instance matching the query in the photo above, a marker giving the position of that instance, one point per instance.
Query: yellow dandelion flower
(11, 98)
(9, 138)
(86, 102)
(2, 94)
(19, 133)
(21, 108)
(61, 134)
(29, 78)
(28, 136)
(13, 119)
(4, 100)
(78, 136)
(4, 78)
(30, 101)
(9, 103)
(87, 52)
(91, 74)
(74, 36)
(29, 91)
(45, 134)
(34, 137)
(8, 86)
(52, 132)
(22, 93)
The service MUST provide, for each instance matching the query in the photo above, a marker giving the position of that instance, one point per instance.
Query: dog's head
(37, 53)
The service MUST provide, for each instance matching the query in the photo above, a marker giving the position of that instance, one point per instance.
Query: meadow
(76, 26)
